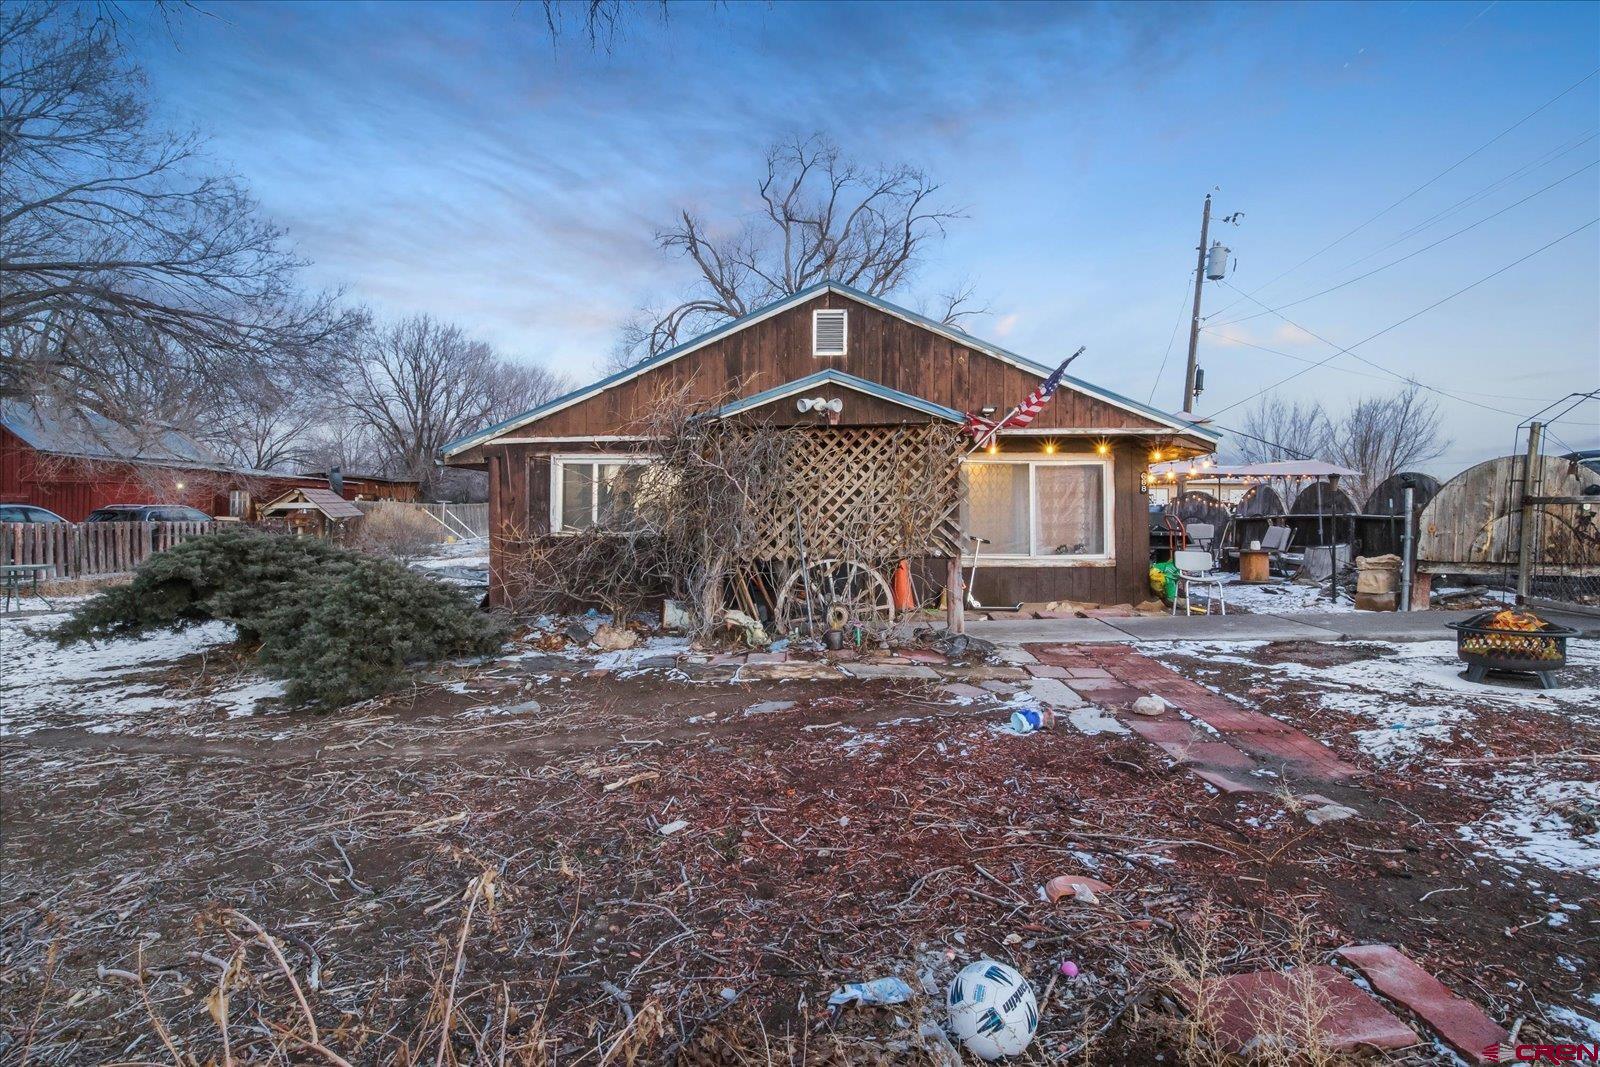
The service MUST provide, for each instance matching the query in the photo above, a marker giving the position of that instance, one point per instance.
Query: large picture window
(1046, 507)
(589, 491)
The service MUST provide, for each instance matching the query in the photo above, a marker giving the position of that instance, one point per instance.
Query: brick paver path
(1238, 741)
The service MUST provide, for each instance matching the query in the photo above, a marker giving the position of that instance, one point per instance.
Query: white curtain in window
(1070, 510)
(577, 495)
(995, 505)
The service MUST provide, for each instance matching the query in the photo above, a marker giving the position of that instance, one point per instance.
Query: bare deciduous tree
(418, 384)
(268, 428)
(115, 233)
(822, 217)
(1378, 436)
(1381, 436)
(1280, 429)
(601, 20)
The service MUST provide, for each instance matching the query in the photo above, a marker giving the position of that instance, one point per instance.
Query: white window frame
(1033, 558)
(561, 460)
(816, 315)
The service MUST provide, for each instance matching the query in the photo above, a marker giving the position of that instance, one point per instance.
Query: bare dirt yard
(657, 855)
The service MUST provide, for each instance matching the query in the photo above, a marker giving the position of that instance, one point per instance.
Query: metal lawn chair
(1195, 568)
(1275, 542)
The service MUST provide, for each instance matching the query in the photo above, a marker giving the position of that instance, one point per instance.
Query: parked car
(147, 513)
(27, 513)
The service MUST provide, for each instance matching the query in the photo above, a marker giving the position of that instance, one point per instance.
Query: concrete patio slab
(1052, 631)
(1222, 628)
(1383, 625)
(1288, 626)
(1420, 625)
(898, 671)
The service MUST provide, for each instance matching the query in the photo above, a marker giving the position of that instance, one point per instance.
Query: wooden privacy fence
(88, 549)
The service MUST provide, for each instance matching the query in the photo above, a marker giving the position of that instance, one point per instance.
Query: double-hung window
(1027, 507)
(590, 491)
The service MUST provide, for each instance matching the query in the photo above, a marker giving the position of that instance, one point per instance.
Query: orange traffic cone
(903, 600)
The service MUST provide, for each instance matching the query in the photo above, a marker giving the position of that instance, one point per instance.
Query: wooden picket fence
(90, 549)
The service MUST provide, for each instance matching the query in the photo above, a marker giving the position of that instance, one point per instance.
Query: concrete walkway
(1289, 626)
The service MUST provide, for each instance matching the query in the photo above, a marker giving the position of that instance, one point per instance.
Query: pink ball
(1069, 968)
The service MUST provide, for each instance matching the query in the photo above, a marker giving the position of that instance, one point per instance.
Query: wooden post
(1408, 562)
(1527, 539)
(955, 598)
(497, 548)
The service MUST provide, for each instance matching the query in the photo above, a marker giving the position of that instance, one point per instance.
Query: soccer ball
(992, 1009)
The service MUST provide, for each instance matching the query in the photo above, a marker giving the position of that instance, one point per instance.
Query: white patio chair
(1195, 568)
(1201, 534)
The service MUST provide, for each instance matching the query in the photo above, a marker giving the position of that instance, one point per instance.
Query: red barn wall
(72, 488)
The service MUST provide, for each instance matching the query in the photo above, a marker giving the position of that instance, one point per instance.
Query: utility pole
(1528, 523)
(1194, 322)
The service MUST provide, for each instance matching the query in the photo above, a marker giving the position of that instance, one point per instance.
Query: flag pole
(994, 430)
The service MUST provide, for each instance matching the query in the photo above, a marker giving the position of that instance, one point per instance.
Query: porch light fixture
(1049, 448)
(177, 485)
(1103, 447)
(1155, 455)
(994, 447)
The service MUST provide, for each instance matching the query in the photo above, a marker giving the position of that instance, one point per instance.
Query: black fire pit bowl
(1537, 652)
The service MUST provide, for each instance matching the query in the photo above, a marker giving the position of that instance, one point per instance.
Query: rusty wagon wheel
(847, 592)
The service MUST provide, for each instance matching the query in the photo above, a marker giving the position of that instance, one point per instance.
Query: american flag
(1025, 412)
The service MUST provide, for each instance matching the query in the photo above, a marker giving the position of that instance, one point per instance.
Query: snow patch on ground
(1528, 825)
(1410, 670)
(1092, 720)
(1279, 597)
(630, 659)
(1412, 694)
(1401, 729)
(1578, 1026)
(464, 563)
(100, 682)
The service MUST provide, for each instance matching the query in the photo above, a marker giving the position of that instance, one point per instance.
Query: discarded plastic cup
(1027, 720)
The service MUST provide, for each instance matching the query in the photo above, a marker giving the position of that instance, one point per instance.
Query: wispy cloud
(447, 158)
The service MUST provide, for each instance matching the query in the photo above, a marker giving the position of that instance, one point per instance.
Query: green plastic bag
(1164, 580)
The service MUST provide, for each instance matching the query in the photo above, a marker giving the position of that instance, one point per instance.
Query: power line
(1416, 252)
(1296, 453)
(1408, 318)
(1168, 353)
(1386, 376)
(1363, 225)
(1443, 213)
(1407, 379)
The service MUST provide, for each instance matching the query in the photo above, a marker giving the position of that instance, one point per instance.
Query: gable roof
(326, 501)
(846, 381)
(734, 325)
(80, 432)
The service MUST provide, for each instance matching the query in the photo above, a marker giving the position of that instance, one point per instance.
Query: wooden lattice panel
(867, 492)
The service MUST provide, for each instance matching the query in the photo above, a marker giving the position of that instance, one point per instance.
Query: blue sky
(448, 159)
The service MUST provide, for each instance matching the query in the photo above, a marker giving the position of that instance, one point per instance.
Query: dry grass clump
(1288, 1022)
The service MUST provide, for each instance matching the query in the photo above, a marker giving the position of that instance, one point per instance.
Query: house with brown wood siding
(1061, 502)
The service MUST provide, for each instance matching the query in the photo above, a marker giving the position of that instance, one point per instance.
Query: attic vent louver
(829, 332)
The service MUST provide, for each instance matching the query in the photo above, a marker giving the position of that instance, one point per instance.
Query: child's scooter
(972, 599)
